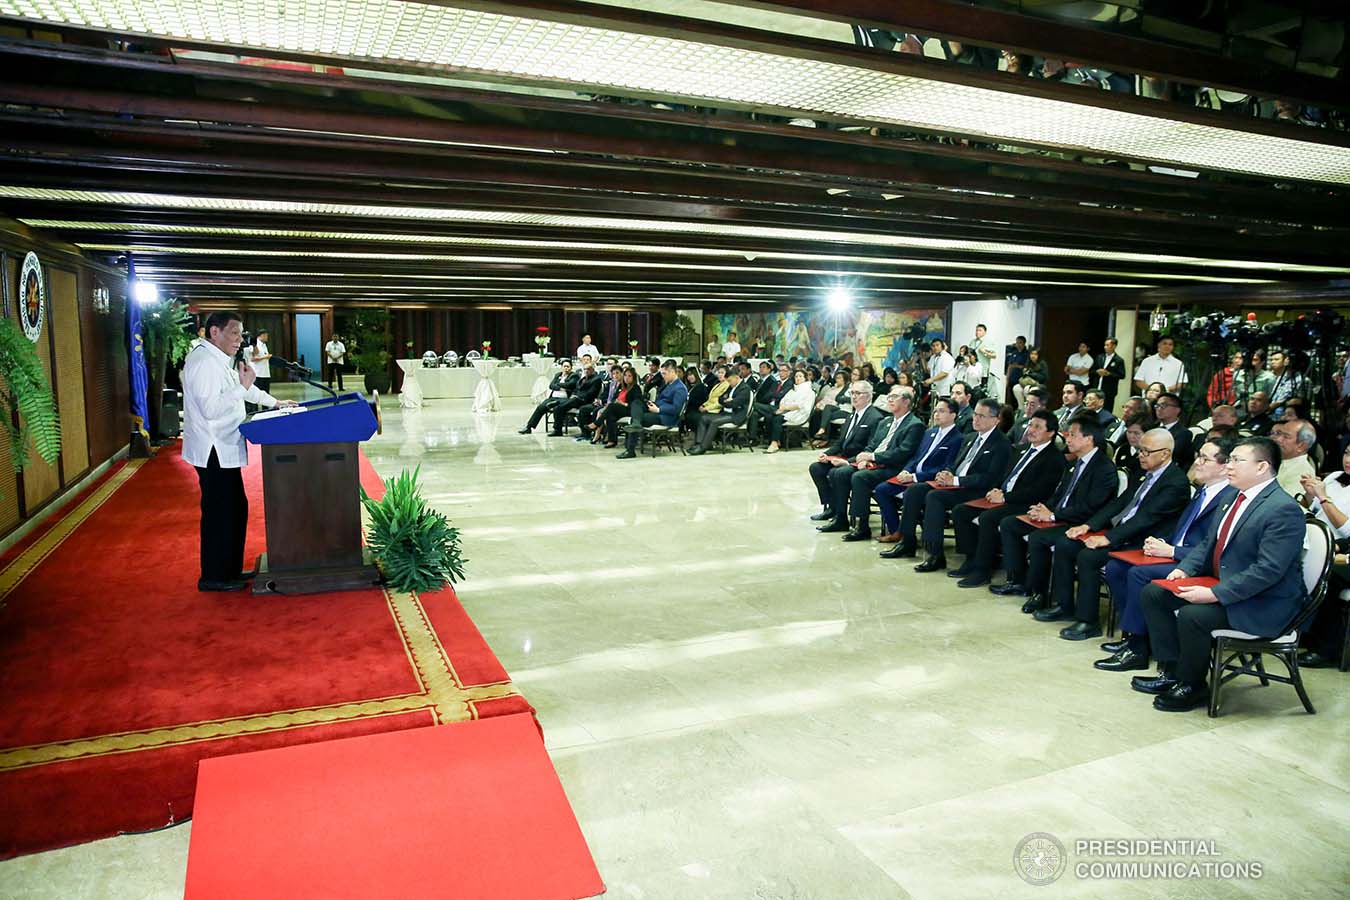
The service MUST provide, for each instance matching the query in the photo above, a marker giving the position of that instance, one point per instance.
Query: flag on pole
(140, 378)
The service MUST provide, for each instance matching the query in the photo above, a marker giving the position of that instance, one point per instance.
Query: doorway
(309, 342)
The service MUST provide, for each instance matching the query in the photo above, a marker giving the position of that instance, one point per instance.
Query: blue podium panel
(330, 420)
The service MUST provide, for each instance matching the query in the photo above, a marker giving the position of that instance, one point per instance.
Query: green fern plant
(414, 545)
(27, 392)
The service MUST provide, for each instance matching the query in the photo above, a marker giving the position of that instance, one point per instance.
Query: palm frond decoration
(25, 390)
(415, 546)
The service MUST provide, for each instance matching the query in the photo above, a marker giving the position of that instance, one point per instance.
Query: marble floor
(740, 707)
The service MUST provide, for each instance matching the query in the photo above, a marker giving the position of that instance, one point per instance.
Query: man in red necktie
(1255, 550)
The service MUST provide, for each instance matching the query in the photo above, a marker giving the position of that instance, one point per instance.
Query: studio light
(839, 299)
(144, 292)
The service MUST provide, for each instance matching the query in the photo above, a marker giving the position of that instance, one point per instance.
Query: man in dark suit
(1072, 397)
(929, 452)
(1168, 410)
(1083, 490)
(652, 380)
(587, 389)
(832, 472)
(965, 412)
(1108, 370)
(561, 388)
(1127, 582)
(1031, 479)
(1255, 549)
(1035, 398)
(1158, 495)
(767, 395)
(1258, 422)
(735, 407)
(892, 442)
(609, 389)
(979, 466)
(1094, 404)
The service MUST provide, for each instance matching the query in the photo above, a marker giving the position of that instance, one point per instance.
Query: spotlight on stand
(838, 299)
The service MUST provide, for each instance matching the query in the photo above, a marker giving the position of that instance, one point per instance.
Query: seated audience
(1294, 439)
(1094, 403)
(735, 406)
(1082, 491)
(964, 411)
(607, 422)
(1256, 555)
(712, 405)
(664, 410)
(1258, 422)
(1133, 406)
(831, 403)
(919, 459)
(587, 389)
(1127, 453)
(1035, 399)
(1035, 373)
(1157, 496)
(1031, 480)
(1209, 472)
(559, 389)
(588, 415)
(1168, 412)
(892, 443)
(833, 470)
(978, 467)
(793, 409)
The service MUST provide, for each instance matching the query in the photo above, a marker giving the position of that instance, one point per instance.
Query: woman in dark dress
(607, 423)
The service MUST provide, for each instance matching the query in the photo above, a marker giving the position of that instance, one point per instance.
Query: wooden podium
(311, 492)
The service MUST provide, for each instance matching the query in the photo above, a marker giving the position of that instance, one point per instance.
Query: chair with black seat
(1235, 653)
(658, 435)
(800, 432)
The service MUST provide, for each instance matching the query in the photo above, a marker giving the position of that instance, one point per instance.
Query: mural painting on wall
(878, 336)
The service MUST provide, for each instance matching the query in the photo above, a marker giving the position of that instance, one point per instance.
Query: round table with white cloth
(485, 396)
(544, 368)
(410, 397)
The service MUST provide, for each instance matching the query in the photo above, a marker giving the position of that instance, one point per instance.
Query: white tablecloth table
(411, 395)
(544, 368)
(485, 396)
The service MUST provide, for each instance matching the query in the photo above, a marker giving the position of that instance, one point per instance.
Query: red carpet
(117, 676)
(471, 811)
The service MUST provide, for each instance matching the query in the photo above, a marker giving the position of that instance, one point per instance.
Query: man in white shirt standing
(984, 356)
(214, 391)
(335, 352)
(261, 361)
(1162, 367)
(1079, 366)
(940, 367)
(732, 348)
(586, 348)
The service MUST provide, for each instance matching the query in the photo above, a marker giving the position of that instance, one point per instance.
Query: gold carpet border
(13, 574)
(442, 694)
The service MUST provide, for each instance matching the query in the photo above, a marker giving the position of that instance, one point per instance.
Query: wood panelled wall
(512, 331)
(85, 355)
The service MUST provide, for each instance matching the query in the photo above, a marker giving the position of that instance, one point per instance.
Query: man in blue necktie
(1126, 582)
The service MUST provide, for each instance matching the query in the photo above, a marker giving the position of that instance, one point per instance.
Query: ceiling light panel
(892, 241)
(491, 44)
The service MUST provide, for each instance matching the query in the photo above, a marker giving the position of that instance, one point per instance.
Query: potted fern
(168, 338)
(415, 546)
(28, 397)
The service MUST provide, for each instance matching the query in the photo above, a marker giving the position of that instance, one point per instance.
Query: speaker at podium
(311, 495)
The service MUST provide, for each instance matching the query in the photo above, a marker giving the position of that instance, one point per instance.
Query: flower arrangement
(541, 338)
(632, 347)
(487, 348)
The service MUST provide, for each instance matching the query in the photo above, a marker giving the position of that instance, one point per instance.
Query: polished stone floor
(739, 707)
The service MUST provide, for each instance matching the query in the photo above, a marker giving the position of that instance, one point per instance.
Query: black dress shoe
(555, 434)
(1182, 698)
(699, 451)
(1052, 614)
(1011, 589)
(525, 430)
(932, 564)
(899, 551)
(1034, 603)
(824, 515)
(1124, 661)
(960, 571)
(627, 454)
(834, 525)
(1115, 646)
(1157, 684)
(859, 534)
(1080, 631)
(973, 580)
(1311, 659)
(207, 584)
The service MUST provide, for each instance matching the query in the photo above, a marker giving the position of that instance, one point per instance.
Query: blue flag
(140, 379)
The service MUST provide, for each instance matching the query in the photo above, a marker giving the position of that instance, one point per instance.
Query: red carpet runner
(117, 676)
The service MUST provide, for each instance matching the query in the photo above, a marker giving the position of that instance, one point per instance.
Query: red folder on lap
(1034, 524)
(1137, 558)
(981, 503)
(941, 487)
(1175, 586)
